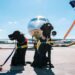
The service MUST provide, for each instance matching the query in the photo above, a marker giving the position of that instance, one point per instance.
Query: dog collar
(23, 46)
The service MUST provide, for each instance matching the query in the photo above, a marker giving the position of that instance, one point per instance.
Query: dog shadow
(14, 71)
(43, 71)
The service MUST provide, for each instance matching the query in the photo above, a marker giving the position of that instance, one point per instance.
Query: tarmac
(63, 59)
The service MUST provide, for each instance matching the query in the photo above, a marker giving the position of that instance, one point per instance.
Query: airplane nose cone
(36, 23)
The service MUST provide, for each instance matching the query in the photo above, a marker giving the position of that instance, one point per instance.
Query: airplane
(35, 24)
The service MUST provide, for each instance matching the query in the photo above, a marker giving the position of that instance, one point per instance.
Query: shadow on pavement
(43, 71)
(13, 71)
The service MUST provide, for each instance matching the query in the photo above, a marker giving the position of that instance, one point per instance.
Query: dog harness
(24, 45)
(46, 42)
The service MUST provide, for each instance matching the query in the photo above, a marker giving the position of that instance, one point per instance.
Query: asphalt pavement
(63, 59)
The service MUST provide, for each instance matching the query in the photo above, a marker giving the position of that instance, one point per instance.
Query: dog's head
(47, 28)
(16, 35)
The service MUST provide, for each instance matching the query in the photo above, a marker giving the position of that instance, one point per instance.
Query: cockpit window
(34, 19)
(43, 19)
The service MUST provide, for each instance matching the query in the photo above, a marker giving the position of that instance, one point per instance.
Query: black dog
(18, 58)
(40, 58)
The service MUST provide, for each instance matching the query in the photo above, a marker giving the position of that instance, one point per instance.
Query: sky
(16, 14)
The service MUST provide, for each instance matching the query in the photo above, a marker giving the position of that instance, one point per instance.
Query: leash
(7, 59)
